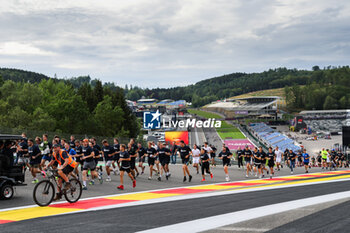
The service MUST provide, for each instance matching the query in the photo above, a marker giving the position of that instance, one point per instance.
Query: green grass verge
(226, 131)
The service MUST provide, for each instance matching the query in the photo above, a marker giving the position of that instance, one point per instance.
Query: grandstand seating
(270, 137)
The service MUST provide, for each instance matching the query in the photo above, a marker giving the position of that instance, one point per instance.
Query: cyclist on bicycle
(65, 166)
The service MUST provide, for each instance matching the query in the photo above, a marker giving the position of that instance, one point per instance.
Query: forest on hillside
(326, 88)
(57, 106)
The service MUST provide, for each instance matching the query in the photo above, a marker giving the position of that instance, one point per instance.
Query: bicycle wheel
(43, 193)
(73, 194)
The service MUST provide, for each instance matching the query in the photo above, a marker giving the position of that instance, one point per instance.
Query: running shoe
(108, 179)
(84, 187)
(202, 180)
(246, 176)
(120, 187)
(184, 179)
(227, 178)
(92, 182)
(100, 180)
(291, 173)
(211, 175)
(137, 174)
(134, 183)
(189, 178)
(159, 179)
(35, 181)
(149, 178)
(167, 177)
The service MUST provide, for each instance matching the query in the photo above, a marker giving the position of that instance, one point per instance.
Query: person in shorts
(247, 159)
(88, 162)
(196, 157)
(226, 156)
(205, 165)
(65, 164)
(132, 149)
(271, 157)
(45, 147)
(108, 155)
(185, 153)
(124, 159)
(116, 147)
(257, 162)
(78, 155)
(306, 159)
(142, 157)
(164, 159)
(151, 154)
(35, 159)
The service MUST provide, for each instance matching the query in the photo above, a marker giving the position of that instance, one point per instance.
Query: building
(326, 120)
(256, 106)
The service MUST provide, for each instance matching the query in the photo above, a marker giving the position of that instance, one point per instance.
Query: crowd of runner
(82, 159)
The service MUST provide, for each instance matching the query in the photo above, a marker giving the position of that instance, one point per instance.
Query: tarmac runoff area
(212, 206)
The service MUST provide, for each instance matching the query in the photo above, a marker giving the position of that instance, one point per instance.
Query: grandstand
(269, 137)
(326, 120)
(257, 106)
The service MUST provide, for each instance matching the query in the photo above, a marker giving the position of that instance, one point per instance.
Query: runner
(195, 157)
(79, 154)
(156, 161)
(132, 150)
(152, 155)
(271, 157)
(97, 156)
(45, 148)
(263, 161)
(22, 154)
(226, 156)
(278, 154)
(324, 155)
(213, 154)
(116, 148)
(240, 156)
(108, 155)
(35, 159)
(247, 159)
(72, 142)
(306, 159)
(204, 157)
(291, 157)
(89, 162)
(185, 152)
(164, 158)
(257, 156)
(124, 159)
(142, 158)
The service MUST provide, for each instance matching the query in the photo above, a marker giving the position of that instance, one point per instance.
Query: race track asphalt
(143, 217)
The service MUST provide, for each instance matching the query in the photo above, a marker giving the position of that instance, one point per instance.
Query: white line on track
(248, 214)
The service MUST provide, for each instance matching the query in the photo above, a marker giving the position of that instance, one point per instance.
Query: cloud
(167, 43)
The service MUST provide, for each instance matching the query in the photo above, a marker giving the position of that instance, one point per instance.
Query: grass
(204, 114)
(226, 131)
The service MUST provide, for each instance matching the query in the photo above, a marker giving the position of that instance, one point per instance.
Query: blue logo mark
(151, 120)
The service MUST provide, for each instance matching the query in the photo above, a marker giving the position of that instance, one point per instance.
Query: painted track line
(166, 195)
(245, 215)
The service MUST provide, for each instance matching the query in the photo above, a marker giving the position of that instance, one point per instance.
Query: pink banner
(233, 144)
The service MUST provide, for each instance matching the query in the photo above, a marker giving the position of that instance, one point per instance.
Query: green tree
(330, 103)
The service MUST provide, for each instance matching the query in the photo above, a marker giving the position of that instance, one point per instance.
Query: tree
(109, 119)
(330, 103)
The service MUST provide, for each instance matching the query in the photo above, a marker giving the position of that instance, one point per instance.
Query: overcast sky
(151, 43)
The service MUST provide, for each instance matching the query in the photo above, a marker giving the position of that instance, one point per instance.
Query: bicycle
(44, 191)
